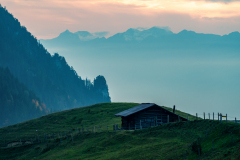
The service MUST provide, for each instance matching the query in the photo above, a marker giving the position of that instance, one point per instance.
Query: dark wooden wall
(152, 116)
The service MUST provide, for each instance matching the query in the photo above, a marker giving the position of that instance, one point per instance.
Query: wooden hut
(146, 115)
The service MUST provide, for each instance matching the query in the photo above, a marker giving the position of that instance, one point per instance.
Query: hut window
(148, 120)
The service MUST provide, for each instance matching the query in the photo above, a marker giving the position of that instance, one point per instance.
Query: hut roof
(135, 109)
(140, 107)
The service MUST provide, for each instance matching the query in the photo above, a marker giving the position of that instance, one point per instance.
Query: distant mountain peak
(83, 33)
(139, 34)
(233, 34)
(187, 33)
(66, 33)
(132, 30)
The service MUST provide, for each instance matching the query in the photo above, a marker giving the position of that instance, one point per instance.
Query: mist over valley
(196, 72)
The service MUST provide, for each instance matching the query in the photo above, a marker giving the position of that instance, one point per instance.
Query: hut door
(159, 120)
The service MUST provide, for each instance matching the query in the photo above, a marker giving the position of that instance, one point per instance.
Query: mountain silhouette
(51, 78)
(17, 102)
(160, 37)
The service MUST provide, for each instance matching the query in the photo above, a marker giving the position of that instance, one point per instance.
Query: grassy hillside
(96, 115)
(171, 141)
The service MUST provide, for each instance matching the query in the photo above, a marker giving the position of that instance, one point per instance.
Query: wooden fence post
(187, 117)
(221, 117)
(209, 116)
(226, 117)
(213, 115)
(196, 116)
(156, 121)
(204, 115)
(235, 120)
(218, 116)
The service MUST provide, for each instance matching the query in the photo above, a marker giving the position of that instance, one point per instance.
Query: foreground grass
(69, 121)
(170, 141)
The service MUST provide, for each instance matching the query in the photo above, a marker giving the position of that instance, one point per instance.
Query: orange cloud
(47, 18)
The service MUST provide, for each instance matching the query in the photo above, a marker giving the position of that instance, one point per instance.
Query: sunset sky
(194, 79)
(47, 18)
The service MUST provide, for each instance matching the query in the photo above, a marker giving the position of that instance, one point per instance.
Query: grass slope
(170, 141)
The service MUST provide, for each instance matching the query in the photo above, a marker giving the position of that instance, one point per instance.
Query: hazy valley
(198, 72)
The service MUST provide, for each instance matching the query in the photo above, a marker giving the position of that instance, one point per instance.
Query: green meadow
(195, 139)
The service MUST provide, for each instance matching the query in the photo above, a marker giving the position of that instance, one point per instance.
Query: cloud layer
(47, 18)
(224, 1)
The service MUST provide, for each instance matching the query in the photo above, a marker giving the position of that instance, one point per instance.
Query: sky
(47, 18)
(189, 86)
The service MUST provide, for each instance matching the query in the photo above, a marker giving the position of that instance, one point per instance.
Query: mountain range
(159, 36)
(156, 65)
(17, 102)
(55, 84)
